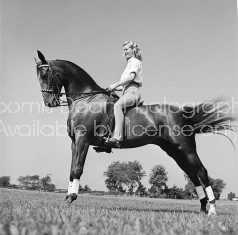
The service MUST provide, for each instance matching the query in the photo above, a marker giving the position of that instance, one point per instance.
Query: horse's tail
(210, 117)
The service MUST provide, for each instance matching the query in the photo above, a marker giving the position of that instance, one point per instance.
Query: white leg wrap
(70, 187)
(200, 192)
(75, 186)
(210, 193)
(212, 209)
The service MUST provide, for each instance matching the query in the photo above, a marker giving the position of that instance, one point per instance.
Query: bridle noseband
(53, 84)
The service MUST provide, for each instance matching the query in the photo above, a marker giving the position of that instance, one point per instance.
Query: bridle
(53, 85)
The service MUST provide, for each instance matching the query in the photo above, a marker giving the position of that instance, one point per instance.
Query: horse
(171, 128)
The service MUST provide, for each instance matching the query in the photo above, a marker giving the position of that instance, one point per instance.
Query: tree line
(34, 182)
(31, 182)
(125, 177)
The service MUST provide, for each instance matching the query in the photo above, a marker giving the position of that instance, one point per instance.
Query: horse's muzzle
(54, 104)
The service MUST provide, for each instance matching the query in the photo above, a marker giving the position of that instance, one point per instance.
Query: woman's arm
(125, 81)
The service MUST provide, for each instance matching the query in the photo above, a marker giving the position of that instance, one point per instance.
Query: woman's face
(128, 52)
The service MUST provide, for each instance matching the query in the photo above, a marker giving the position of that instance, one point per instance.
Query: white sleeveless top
(133, 65)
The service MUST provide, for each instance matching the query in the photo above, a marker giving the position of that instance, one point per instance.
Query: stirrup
(115, 143)
(100, 149)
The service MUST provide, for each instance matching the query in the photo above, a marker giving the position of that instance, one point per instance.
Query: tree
(5, 181)
(34, 181)
(80, 188)
(141, 190)
(24, 180)
(231, 195)
(46, 183)
(115, 176)
(86, 188)
(217, 186)
(175, 192)
(30, 182)
(153, 192)
(189, 189)
(121, 189)
(134, 173)
(158, 179)
(50, 188)
(123, 174)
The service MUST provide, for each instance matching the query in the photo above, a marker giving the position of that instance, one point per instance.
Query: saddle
(111, 122)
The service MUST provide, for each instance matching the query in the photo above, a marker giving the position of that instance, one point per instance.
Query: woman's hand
(112, 87)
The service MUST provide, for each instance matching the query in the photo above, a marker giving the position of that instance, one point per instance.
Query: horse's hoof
(66, 198)
(212, 213)
(70, 198)
(66, 201)
(203, 211)
(212, 209)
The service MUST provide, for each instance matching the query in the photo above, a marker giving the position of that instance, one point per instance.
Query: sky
(189, 49)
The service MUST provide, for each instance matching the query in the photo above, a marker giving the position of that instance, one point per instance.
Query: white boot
(70, 187)
(75, 186)
(211, 198)
(212, 209)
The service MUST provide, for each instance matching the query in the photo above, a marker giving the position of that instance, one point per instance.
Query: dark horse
(170, 127)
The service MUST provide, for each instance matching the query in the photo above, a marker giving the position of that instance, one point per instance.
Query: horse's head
(49, 82)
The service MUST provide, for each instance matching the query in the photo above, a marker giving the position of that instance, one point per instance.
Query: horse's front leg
(79, 153)
(71, 178)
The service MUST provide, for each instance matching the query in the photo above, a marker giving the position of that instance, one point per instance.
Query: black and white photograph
(118, 117)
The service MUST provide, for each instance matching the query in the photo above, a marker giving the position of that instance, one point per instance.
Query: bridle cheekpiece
(52, 84)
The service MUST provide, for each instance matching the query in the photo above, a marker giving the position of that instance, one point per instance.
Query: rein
(59, 93)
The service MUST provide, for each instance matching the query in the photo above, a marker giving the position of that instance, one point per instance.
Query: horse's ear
(36, 60)
(41, 57)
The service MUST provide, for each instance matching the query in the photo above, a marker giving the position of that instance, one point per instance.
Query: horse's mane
(74, 68)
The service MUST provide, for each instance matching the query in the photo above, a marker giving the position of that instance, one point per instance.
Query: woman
(130, 82)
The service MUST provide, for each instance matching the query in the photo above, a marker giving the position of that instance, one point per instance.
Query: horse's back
(151, 121)
(153, 113)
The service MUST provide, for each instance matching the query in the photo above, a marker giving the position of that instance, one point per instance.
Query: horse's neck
(75, 79)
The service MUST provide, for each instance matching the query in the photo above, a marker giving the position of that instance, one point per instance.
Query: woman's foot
(112, 142)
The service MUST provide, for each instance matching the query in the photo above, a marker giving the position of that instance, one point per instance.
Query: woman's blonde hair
(135, 47)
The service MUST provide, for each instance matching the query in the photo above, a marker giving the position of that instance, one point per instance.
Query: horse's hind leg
(203, 175)
(200, 192)
(196, 170)
(189, 162)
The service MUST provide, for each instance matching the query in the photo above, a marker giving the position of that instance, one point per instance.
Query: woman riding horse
(130, 82)
(171, 128)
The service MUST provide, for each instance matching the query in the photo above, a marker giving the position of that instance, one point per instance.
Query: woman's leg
(125, 101)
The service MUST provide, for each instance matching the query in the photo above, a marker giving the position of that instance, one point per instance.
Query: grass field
(30, 212)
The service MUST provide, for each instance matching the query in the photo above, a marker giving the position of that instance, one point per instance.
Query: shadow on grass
(155, 210)
(163, 210)
(166, 211)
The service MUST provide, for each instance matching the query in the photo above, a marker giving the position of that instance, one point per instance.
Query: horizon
(107, 190)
